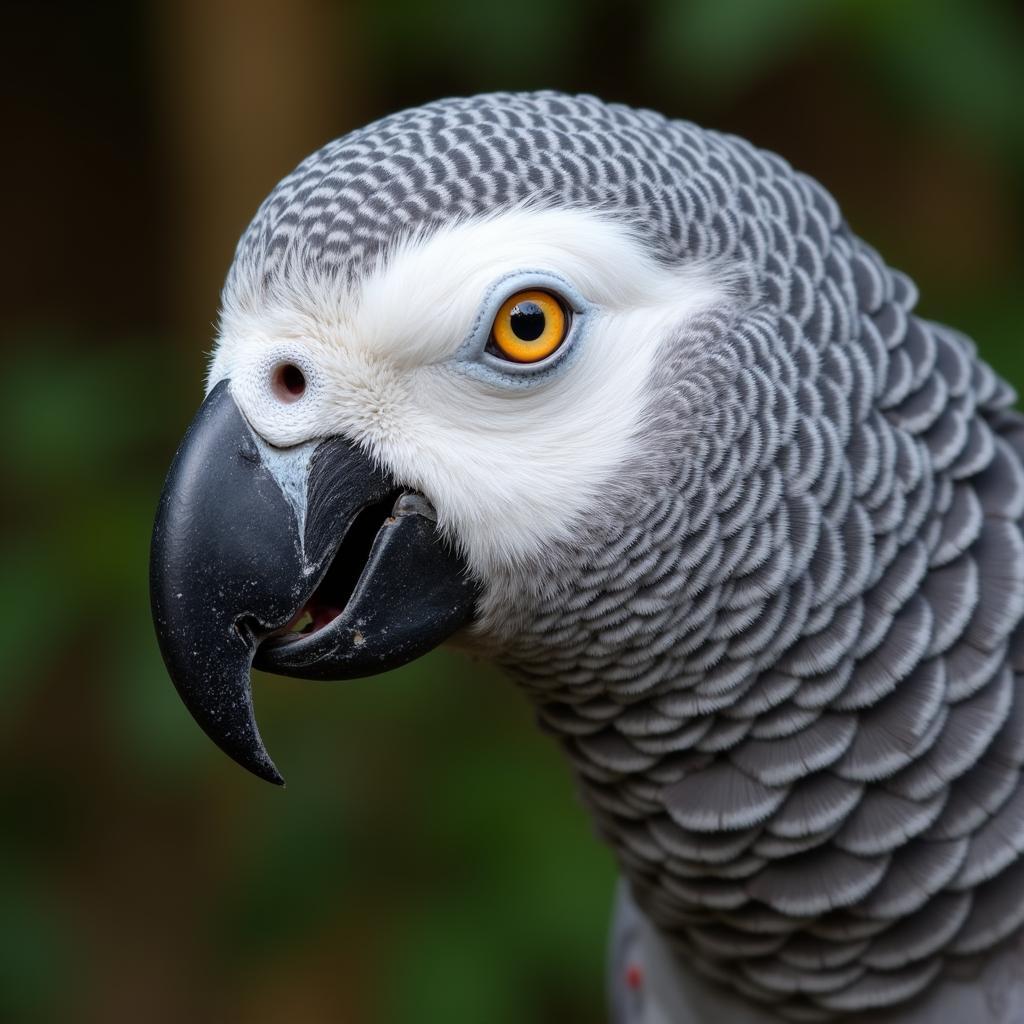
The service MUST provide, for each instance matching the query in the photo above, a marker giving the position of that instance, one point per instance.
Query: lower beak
(309, 560)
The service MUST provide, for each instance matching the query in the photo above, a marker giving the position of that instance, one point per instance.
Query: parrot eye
(529, 326)
(289, 382)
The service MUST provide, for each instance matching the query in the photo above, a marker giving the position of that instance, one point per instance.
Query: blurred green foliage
(428, 861)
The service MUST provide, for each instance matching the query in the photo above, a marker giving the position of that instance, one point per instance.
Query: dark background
(428, 861)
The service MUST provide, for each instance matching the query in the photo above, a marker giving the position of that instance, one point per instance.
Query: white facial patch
(510, 469)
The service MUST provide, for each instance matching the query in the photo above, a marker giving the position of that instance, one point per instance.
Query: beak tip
(254, 758)
(258, 764)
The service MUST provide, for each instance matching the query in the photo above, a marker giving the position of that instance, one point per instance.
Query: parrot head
(438, 376)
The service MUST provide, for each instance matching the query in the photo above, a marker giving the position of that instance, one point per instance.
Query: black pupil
(527, 321)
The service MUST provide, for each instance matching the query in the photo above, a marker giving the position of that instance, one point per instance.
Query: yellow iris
(530, 326)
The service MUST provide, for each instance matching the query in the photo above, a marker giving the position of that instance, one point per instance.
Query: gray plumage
(787, 669)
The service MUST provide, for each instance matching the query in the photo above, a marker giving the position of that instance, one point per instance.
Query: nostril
(289, 382)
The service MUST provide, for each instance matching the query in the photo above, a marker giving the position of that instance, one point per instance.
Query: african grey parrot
(625, 407)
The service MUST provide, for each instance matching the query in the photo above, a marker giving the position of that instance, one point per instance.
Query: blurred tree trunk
(248, 88)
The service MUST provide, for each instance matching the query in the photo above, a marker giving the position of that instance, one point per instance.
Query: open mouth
(390, 587)
(333, 592)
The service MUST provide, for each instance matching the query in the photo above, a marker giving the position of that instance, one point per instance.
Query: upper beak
(250, 540)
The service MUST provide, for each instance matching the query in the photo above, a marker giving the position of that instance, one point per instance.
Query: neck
(819, 834)
(819, 859)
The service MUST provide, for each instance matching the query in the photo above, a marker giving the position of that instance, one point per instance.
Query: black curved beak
(309, 561)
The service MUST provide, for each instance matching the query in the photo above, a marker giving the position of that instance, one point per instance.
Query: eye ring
(530, 325)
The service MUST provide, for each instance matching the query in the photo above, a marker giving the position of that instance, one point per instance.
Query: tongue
(323, 615)
(312, 617)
